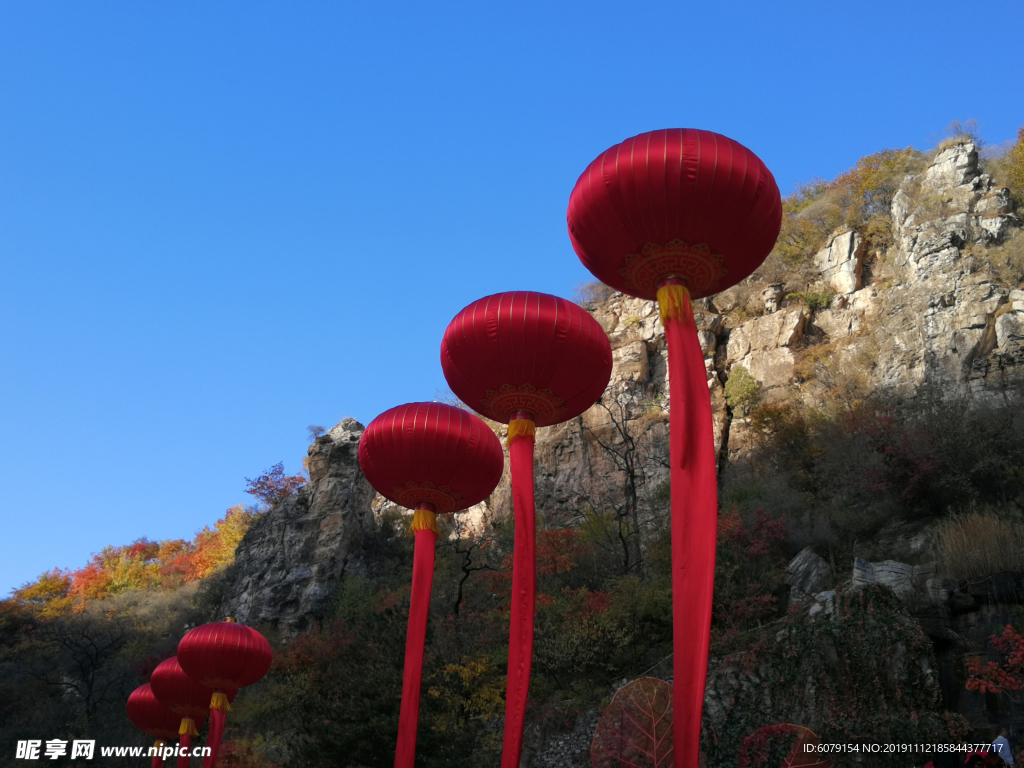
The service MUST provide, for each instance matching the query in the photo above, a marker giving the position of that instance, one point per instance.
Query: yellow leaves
(142, 565)
(859, 199)
(1015, 173)
(49, 596)
(471, 688)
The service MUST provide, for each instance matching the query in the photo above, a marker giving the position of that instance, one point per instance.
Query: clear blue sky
(221, 222)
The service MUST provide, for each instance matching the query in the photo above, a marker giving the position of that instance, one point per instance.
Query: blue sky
(222, 222)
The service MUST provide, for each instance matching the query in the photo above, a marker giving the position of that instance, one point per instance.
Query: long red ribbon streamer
(694, 529)
(419, 605)
(158, 758)
(185, 749)
(524, 589)
(215, 736)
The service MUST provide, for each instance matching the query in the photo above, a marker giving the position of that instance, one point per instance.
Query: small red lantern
(186, 698)
(529, 360)
(152, 718)
(431, 458)
(224, 656)
(673, 215)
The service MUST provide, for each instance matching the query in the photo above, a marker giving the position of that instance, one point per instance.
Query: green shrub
(742, 390)
(813, 300)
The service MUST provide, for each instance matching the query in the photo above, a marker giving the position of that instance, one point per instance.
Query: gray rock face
(292, 559)
(807, 574)
(935, 318)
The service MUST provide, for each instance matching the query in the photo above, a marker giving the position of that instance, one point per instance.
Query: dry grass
(592, 292)
(980, 544)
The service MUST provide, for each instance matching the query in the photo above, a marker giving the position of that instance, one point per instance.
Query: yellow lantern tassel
(220, 701)
(518, 428)
(425, 520)
(160, 744)
(188, 727)
(674, 303)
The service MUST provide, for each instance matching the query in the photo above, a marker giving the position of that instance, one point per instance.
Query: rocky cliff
(923, 311)
(292, 559)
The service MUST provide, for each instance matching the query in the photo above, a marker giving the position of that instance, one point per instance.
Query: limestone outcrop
(290, 562)
(924, 312)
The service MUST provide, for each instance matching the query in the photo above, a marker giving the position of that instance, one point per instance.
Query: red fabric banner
(185, 742)
(694, 531)
(524, 589)
(419, 606)
(215, 737)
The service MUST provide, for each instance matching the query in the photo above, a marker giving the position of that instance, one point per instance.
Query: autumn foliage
(144, 564)
(1006, 676)
(273, 486)
(748, 568)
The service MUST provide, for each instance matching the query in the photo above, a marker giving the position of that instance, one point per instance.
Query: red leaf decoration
(799, 758)
(761, 749)
(636, 728)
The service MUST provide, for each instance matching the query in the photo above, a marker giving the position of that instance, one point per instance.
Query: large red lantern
(185, 697)
(152, 718)
(431, 458)
(224, 656)
(528, 360)
(673, 215)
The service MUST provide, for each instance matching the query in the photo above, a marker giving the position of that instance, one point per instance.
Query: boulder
(841, 262)
(807, 573)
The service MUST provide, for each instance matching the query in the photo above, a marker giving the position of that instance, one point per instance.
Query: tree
(614, 510)
(473, 552)
(1006, 676)
(78, 654)
(742, 390)
(1015, 174)
(273, 486)
(315, 431)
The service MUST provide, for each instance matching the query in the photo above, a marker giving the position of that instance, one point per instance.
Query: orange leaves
(636, 728)
(143, 564)
(50, 594)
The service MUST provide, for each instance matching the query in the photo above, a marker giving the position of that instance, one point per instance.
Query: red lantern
(152, 718)
(224, 656)
(673, 215)
(186, 698)
(431, 458)
(528, 360)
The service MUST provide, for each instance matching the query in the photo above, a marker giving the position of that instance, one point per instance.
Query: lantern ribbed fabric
(152, 718)
(185, 697)
(529, 360)
(431, 452)
(526, 351)
(429, 457)
(682, 186)
(673, 215)
(224, 656)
